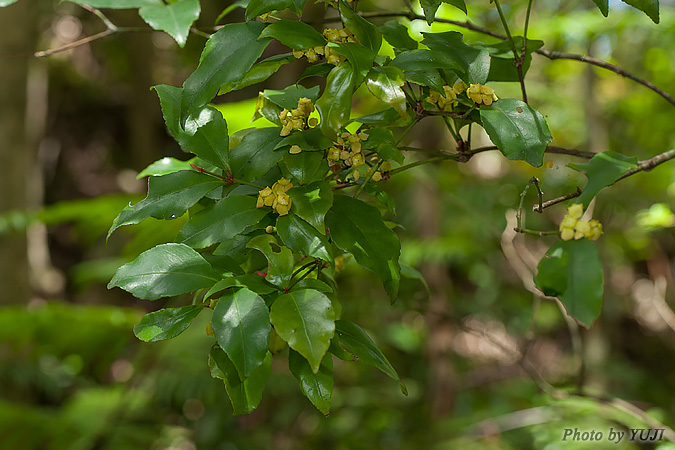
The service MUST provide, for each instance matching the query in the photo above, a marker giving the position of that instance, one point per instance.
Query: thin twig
(77, 43)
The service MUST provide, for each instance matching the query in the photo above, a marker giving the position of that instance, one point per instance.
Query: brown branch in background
(75, 44)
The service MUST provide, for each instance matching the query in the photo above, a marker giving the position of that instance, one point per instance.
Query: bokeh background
(78, 126)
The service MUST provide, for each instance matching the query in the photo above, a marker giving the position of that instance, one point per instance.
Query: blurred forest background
(77, 127)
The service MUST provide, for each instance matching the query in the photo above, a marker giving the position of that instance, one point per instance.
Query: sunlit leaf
(312, 202)
(335, 104)
(365, 32)
(174, 18)
(294, 34)
(385, 83)
(602, 170)
(166, 323)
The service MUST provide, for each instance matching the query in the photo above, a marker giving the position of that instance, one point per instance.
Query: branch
(643, 166)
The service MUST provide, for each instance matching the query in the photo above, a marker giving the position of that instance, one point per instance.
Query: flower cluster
(276, 197)
(573, 228)
(348, 149)
(480, 93)
(297, 119)
(332, 35)
(447, 100)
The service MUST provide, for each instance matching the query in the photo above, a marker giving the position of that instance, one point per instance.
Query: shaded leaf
(294, 34)
(317, 387)
(255, 155)
(518, 130)
(117, 4)
(365, 32)
(361, 58)
(164, 271)
(288, 97)
(306, 320)
(312, 202)
(572, 271)
(303, 238)
(422, 59)
(166, 323)
(169, 196)
(358, 228)
(224, 220)
(649, 7)
(335, 104)
(397, 35)
(359, 343)
(305, 167)
(311, 139)
(206, 136)
(241, 325)
(502, 67)
(259, 7)
(174, 18)
(255, 283)
(244, 395)
(473, 60)
(603, 170)
(603, 6)
(280, 259)
(258, 73)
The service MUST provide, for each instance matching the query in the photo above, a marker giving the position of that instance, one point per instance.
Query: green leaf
(311, 139)
(385, 83)
(165, 271)
(244, 395)
(306, 320)
(241, 325)
(174, 18)
(288, 97)
(224, 220)
(294, 34)
(335, 104)
(166, 323)
(502, 67)
(206, 136)
(603, 170)
(117, 4)
(258, 73)
(257, 8)
(388, 150)
(430, 78)
(422, 59)
(280, 259)
(397, 35)
(603, 6)
(305, 167)
(572, 271)
(255, 283)
(312, 283)
(384, 198)
(649, 7)
(365, 32)
(169, 196)
(318, 388)
(431, 6)
(388, 117)
(228, 56)
(361, 58)
(358, 228)
(165, 166)
(359, 343)
(255, 155)
(474, 61)
(518, 130)
(303, 238)
(312, 202)
(316, 70)
(170, 100)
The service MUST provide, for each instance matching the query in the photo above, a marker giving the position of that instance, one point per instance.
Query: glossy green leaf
(359, 343)
(303, 238)
(258, 73)
(170, 101)
(316, 70)
(244, 395)
(165, 166)
(337, 349)
(572, 271)
(388, 150)
(361, 58)
(165, 271)
(169, 196)
(305, 167)
(173, 18)
(430, 78)
(224, 220)
(280, 259)
(117, 4)
(241, 325)
(228, 56)
(288, 97)
(473, 60)
(431, 6)
(383, 197)
(335, 104)
(365, 32)
(259, 7)
(306, 320)
(358, 228)
(252, 282)
(312, 283)
(385, 83)
(603, 6)
(388, 117)
(317, 387)
(649, 7)
(166, 323)
(255, 155)
(311, 140)
(312, 202)
(501, 64)
(422, 59)
(518, 130)
(603, 170)
(206, 136)
(397, 35)
(294, 34)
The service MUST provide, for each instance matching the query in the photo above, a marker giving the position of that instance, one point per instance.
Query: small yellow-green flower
(571, 227)
(481, 94)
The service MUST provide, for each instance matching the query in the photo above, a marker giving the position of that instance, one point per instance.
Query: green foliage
(603, 170)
